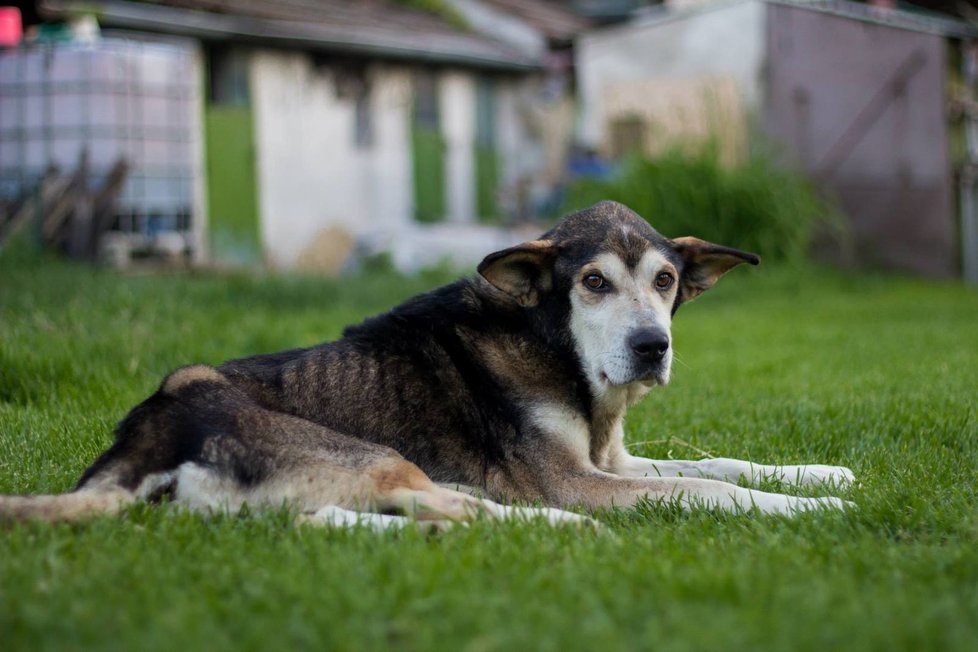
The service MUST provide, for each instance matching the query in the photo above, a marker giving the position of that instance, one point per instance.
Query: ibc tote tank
(119, 98)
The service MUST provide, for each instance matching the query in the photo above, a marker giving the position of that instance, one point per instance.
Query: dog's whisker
(670, 440)
(697, 449)
(647, 442)
(676, 358)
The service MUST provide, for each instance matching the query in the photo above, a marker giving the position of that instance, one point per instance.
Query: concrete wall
(669, 70)
(502, 26)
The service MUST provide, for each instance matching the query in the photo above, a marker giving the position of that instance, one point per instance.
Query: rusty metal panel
(861, 106)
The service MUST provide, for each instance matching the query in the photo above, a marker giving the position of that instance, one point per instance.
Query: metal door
(861, 106)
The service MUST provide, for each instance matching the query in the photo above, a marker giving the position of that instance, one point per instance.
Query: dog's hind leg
(478, 492)
(333, 516)
(438, 502)
(260, 457)
(364, 485)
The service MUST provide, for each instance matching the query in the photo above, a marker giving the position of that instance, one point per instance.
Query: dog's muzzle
(649, 349)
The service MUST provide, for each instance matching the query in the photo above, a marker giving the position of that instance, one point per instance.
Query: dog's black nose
(649, 344)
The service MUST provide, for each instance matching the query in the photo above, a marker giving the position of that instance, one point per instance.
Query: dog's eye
(594, 282)
(663, 281)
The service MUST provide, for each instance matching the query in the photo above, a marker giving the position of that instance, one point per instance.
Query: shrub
(754, 205)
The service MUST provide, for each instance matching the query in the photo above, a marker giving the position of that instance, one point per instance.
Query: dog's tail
(64, 507)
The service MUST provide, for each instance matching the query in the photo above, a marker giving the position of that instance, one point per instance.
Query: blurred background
(327, 135)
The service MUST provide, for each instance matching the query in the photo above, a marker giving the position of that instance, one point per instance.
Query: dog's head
(618, 281)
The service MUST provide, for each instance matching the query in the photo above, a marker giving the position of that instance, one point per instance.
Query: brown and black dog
(512, 385)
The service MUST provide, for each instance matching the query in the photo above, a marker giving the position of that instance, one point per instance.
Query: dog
(508, 386)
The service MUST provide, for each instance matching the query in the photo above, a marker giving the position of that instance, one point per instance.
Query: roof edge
(896, 18)
(309, 36)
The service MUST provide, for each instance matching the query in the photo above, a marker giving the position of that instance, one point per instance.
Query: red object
(11, 26)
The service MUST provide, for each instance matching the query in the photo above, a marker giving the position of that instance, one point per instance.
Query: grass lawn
(876, 373)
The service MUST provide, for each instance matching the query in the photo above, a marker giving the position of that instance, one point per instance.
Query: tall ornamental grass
(754, 204)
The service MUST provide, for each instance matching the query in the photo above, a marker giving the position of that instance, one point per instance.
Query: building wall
(683, 76)
(315, 181)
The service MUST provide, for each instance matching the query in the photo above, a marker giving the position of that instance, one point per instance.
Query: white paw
(787, 505)
(822, 502)
(561, 517)
(809, 474)
(552, 515)
(731, 470)
(332, 516)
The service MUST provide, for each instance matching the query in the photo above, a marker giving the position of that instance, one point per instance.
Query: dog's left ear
(705, 263)
(524, 272)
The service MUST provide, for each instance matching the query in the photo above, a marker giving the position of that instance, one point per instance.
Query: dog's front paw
(787, 505)
(552, 515)
(810, 474)
(822, 502)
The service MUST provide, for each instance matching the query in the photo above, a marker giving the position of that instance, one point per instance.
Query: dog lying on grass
(511, 385)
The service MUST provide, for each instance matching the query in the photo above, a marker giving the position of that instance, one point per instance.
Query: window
(426, 113)
(351, 83)
(227, 76)
(363, 126)
(485, 113)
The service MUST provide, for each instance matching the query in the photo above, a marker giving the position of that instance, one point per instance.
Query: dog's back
(436, 379)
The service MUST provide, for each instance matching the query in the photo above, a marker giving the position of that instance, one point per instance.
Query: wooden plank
(102, 203)
(50, 187)
(61, 201)
(79, 230)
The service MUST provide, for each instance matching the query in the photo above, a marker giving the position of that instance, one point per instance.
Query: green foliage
(442, 8)
(487, 184)
(754, 205)
(231, 185)
(775, 365)
(428, 170)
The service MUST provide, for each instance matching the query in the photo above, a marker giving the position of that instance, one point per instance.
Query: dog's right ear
(705, 263)
(523, 272)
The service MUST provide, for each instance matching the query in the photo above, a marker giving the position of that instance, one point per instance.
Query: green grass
(778, 365)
